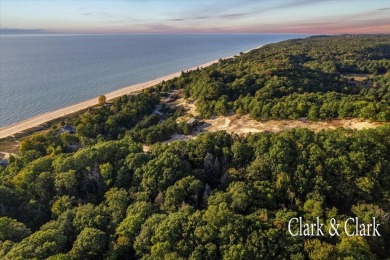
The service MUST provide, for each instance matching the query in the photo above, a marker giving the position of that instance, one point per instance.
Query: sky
(195, 16)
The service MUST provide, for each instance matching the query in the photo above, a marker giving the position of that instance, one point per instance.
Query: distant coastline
(45, 72)
(52, 115)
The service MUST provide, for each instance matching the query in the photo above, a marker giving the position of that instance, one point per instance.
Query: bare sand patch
(244, 124)
(5, 155)
(189, 107)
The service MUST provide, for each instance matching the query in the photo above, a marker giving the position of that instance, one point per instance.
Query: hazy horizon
(232, 16)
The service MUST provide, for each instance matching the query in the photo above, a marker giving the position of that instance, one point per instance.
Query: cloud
(297, 3)
(226, 16)
(97, 14)
(283, 5)
(94, 13)
(176, 19)
(232, 16)
(216, 10)
(22, 31)
(331, 26)
(214, 17)
(202, 17)
(354, 21)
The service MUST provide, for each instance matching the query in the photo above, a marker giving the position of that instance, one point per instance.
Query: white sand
(43, 118)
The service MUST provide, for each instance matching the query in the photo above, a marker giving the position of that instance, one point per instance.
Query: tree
(5, 247)
(318, 250)
(102, 100)
(137, 213)
(355, 248)
(143, 242)
(117, 201)
(106, 171)
(91, 216)
(218, 196)
(39, 245)
(242, 153)
(12, 230)
(62, 204)
(90, 244)
(66, 183)
(161, 172)
(242, 196)
(35, 143)
(186, 190)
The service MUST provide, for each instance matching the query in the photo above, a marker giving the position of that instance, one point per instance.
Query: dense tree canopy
(96, 194)
(218, 196)
(312, 77)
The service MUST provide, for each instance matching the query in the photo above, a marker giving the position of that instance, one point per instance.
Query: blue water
(41, 73)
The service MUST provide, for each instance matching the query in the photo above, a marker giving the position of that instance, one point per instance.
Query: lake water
(41, 73)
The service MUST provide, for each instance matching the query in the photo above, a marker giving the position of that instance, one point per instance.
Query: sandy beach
(46, 117)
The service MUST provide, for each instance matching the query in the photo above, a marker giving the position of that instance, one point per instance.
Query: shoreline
(40, 119)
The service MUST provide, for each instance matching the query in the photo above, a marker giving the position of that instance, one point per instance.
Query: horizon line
(17, 31)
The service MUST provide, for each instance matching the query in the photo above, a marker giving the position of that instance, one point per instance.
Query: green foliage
(90, 244)
(12, 230)
(318, 250)
(298, 78)
(96, 194)
(212, 197)
(90, 216)
(186, 190)
(102, 100)
(62, 204)
(137, 213)
(39, 245)
(117, 201)
(161, 172)
(184, 128)
(155, 133)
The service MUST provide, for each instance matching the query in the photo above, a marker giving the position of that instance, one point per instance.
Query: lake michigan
(41, 73)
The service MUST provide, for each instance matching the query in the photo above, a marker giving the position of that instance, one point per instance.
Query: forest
(96, 194)
(297, 78)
